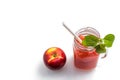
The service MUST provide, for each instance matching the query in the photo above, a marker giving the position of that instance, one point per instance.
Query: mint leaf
(100, 48)
(90, 40)
(98, 43)
(108, 40)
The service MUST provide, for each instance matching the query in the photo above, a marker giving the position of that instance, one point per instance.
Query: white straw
(80, 41)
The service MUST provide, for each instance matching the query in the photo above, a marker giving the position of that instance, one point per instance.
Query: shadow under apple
(68, 72)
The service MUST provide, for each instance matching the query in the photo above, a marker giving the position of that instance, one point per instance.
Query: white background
(29, 27)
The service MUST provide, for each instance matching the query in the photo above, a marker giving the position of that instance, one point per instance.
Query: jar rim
(86, 31)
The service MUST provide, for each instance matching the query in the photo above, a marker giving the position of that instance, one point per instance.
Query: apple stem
(54, 55)
(80, 41)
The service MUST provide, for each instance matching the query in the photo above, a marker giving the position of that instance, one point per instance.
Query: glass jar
(85, 58)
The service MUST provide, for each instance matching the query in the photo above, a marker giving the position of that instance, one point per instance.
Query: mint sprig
(98, 43)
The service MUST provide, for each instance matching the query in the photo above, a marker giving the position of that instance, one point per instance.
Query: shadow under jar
(85, 58)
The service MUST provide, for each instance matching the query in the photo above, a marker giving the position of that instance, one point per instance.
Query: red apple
(54, 58)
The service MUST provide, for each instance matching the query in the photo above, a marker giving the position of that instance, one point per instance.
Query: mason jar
(84, 57)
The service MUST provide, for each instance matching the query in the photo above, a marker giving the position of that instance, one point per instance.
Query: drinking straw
(80, 41)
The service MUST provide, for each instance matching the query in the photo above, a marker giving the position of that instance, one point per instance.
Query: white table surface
(29, 27)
